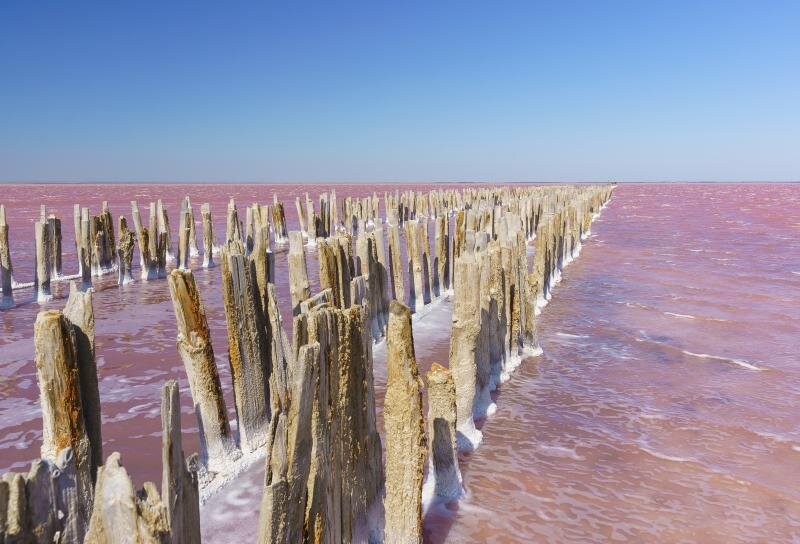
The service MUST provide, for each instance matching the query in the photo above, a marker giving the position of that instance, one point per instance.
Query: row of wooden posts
(99, 251)
(309, 405)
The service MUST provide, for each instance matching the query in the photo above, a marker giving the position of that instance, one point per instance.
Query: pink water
(664, 408)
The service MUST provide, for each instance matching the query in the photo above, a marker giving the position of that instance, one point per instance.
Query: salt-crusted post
(79, 313)
(163, 228)
(301, 217)
(395, 266)
(182, 260)
(441, 282)
(464, 345)
(298, 273)
(63, 423)
(85, 253)
(54, 228)
(444, 476)
(416, 285)
(278, 220)
(233, 229)
(76, 223)
(248, 346)
(425, 244)
(122, 516)
(193, 249)
(6, 271)
(208, 236)
(179, 487)
(405, 435)
(42, 278)
(289, 454)
(125, 252)
(194, 346)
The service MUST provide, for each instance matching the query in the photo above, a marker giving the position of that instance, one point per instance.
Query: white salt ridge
(225, 472)
(665, 457)
(567, 335)
(560, 451)
(682, 316)
(737, 362)
(468, 437)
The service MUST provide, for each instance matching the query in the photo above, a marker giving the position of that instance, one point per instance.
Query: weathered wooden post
(85, 253)
(298, 273)
(248, 346)
(395, 264)
(464, 345)
(283, 505)
(197, 354)
(441, 282)
(76, 223)
(193, 249)
(6, 271)
(415, 281)
(208, 236)
(278, 221)
(63, 423)
(301, 216)
(162, 227)
(233, 230)
(425, 244)
(120, 515)
(125, 252)
(79, 313)
(444, 476)
(42, 278)
(54, 228)
(405, 434)
(179, 487)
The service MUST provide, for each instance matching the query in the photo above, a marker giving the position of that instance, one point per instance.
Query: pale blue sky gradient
(399, 91)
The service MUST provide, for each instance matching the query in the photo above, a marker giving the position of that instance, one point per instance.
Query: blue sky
(399, 91)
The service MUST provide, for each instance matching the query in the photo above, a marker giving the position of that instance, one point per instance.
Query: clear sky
(399, 91)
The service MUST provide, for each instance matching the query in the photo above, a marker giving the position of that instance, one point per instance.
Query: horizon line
(380, 182)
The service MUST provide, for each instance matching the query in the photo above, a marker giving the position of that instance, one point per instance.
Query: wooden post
(63, 418)
(298, 273)
(463, 346)
(85, 254)
(79, 313)
(442, 266)
(6, 271)
(405, 434)
(301, 216)
(193, 249)
(42, 279)
(119, 515)
(179, 487)
(125, 252)
(54, 228)
(444, 476)
(416, 282)
(248, 346)
(162, 227)
(395, 266)
(208, 236)
(425, 243)
(197, 354)
(283, 505)
(233, 230)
